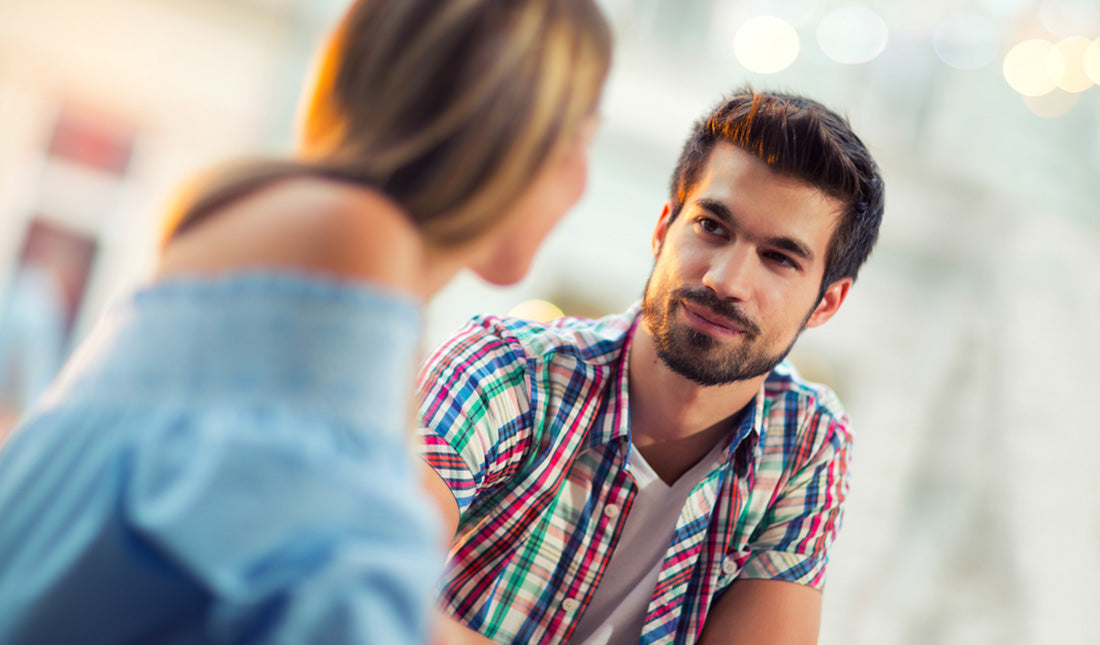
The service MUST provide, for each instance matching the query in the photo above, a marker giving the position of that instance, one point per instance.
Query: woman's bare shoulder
(304, 223)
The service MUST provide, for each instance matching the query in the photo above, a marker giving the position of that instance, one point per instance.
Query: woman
(224, 459)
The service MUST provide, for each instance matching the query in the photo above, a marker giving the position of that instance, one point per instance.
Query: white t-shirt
(616, 614)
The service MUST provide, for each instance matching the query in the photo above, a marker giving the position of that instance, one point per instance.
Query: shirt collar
(614, 416)
(752, 424)
(615, 409)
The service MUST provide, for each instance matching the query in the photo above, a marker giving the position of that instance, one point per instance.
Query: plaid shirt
(529, 426)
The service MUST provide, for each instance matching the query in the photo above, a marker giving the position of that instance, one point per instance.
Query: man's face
(738, 271)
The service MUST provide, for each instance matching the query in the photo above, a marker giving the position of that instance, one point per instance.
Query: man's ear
(658, 239)
(830, 302)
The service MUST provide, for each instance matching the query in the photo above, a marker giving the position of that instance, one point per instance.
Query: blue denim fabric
(224, 460)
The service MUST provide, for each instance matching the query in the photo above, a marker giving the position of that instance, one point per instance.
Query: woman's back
(220, 450)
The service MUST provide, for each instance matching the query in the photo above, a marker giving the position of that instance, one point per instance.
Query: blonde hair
(447, 107)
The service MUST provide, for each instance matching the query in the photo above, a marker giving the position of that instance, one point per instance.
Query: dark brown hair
(803, 139)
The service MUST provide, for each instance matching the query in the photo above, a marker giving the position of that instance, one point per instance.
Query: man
(664, 475)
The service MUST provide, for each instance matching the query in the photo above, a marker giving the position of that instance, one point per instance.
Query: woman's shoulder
(306, 223)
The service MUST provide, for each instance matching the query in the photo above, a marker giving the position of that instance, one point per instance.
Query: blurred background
(968, 353)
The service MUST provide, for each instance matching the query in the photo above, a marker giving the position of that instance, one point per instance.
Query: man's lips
(709, 321)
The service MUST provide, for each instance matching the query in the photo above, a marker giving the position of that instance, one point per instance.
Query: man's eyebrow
(788, 244)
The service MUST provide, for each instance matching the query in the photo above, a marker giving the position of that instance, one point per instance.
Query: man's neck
(675, 422)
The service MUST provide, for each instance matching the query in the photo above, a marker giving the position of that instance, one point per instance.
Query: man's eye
(781, 259)
(709, 226)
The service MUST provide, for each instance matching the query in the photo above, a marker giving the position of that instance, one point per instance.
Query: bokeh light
(766, 44)
(1052, 104)
(966, 41)
(1005, 8)
(536, 310)
(1064, 18)
(910, 21)
(1092, 61)
(798, 13)
(1033, 67)
(852, 35)
(1070, 57)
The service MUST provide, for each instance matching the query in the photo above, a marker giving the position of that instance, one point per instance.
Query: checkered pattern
(528, 424)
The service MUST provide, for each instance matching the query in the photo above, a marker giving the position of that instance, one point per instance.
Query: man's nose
(730, 275)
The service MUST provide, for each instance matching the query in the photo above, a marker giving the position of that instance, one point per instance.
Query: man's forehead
(742, 186)
(726, 159)
(729, 169)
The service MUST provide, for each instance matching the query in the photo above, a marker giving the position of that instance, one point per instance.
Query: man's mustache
(724, 308)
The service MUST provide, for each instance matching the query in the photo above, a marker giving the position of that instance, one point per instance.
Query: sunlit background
(968, 353)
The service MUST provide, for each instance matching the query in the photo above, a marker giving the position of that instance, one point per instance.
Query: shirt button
(570, 604)
(611, 510)
(729, 566)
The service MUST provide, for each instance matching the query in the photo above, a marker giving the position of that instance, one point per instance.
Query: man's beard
(697, 356)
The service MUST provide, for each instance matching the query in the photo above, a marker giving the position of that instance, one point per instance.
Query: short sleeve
(793, 541)
(474, 409)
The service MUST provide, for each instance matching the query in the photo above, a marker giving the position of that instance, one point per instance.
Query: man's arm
(440, 493)
(776, 597)
(764, 612)
(447, 630)
(470, 388)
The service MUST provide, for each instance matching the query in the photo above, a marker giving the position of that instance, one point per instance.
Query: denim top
(224, 460)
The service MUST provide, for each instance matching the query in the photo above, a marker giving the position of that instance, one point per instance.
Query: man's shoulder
(801, 418)
(789, 394)
(591, 340)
